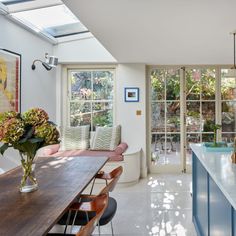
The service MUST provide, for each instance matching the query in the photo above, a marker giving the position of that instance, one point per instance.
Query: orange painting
(10, 63)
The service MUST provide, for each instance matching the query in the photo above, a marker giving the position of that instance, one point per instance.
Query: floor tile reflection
(159, 205)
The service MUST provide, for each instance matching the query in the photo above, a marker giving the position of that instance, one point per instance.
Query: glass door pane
(193, 121)
(228, 105)
(200, 106)
(165, 123)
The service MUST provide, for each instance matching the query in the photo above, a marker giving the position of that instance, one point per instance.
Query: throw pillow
(121, 148)
(75, 138)
(106, 138)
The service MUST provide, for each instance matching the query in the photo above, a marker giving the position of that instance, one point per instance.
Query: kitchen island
(214, 192)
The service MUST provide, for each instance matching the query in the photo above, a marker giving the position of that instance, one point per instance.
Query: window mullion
(92, 99)
(218, 102)
(183, 137)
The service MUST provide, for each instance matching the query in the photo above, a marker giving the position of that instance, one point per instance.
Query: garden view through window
(91, 97)
(196, 99)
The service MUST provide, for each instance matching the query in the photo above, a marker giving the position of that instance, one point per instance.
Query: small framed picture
(131, 94)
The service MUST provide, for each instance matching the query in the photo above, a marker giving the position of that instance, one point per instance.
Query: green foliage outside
(103, 120)
(200, 85)
(91, 98)
(93, 85)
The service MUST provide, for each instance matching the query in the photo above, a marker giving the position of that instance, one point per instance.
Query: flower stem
(27, 169)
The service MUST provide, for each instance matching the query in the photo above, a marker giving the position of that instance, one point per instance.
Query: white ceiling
(161, 31)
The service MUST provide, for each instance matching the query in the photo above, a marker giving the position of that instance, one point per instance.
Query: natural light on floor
(159, 205)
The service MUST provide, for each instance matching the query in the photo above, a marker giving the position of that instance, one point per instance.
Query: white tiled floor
(159, 205)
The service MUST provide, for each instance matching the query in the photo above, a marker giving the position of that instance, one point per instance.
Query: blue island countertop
(220, 168)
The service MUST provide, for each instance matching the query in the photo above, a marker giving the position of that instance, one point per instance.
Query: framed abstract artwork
(131, 94)
(10, 81)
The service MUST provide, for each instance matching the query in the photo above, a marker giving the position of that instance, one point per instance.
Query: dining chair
(108, 176)
(97, 206)
(73, 217)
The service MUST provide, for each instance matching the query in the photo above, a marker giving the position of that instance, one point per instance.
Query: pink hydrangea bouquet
(27, 133)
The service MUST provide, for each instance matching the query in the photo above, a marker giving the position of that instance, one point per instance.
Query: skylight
(58, 21)
(51, 18)
(8, 2)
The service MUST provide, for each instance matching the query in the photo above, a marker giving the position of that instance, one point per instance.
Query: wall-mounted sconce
(50, 62)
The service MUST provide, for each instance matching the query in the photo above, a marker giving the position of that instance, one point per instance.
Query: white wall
(37, 87)
(87, 50)
(133, 126)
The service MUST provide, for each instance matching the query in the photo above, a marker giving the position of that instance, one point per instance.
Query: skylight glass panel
(57, 20)
(9, 2)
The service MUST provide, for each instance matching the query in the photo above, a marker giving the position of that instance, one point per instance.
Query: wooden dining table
(61, 180)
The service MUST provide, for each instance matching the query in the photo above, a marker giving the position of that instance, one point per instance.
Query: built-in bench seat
(116, 155)
(121, 156)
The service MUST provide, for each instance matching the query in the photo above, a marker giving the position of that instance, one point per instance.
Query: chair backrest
(115, 175)
(99, 204)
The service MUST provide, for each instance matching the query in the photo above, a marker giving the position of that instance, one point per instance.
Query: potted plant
(215, 127)
(209, 126)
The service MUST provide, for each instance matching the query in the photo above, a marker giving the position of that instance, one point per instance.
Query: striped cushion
(75, 138)
(106, 138)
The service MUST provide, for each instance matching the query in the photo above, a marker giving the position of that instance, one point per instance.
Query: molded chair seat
(97, 207)
(81, 218)
(76, 217)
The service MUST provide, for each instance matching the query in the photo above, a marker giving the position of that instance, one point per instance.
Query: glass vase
(28, 181)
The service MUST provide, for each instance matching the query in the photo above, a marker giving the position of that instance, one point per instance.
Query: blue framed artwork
(131, 94)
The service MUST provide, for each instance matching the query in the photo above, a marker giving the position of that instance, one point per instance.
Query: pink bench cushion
(49, 150)
(53, 150)
(112, 155)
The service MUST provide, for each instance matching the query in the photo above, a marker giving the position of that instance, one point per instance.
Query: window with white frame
(90, 97)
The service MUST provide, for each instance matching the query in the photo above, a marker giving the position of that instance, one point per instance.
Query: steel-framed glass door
(200, 107)
(183, 109)
(166, 118)
(228, 105)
